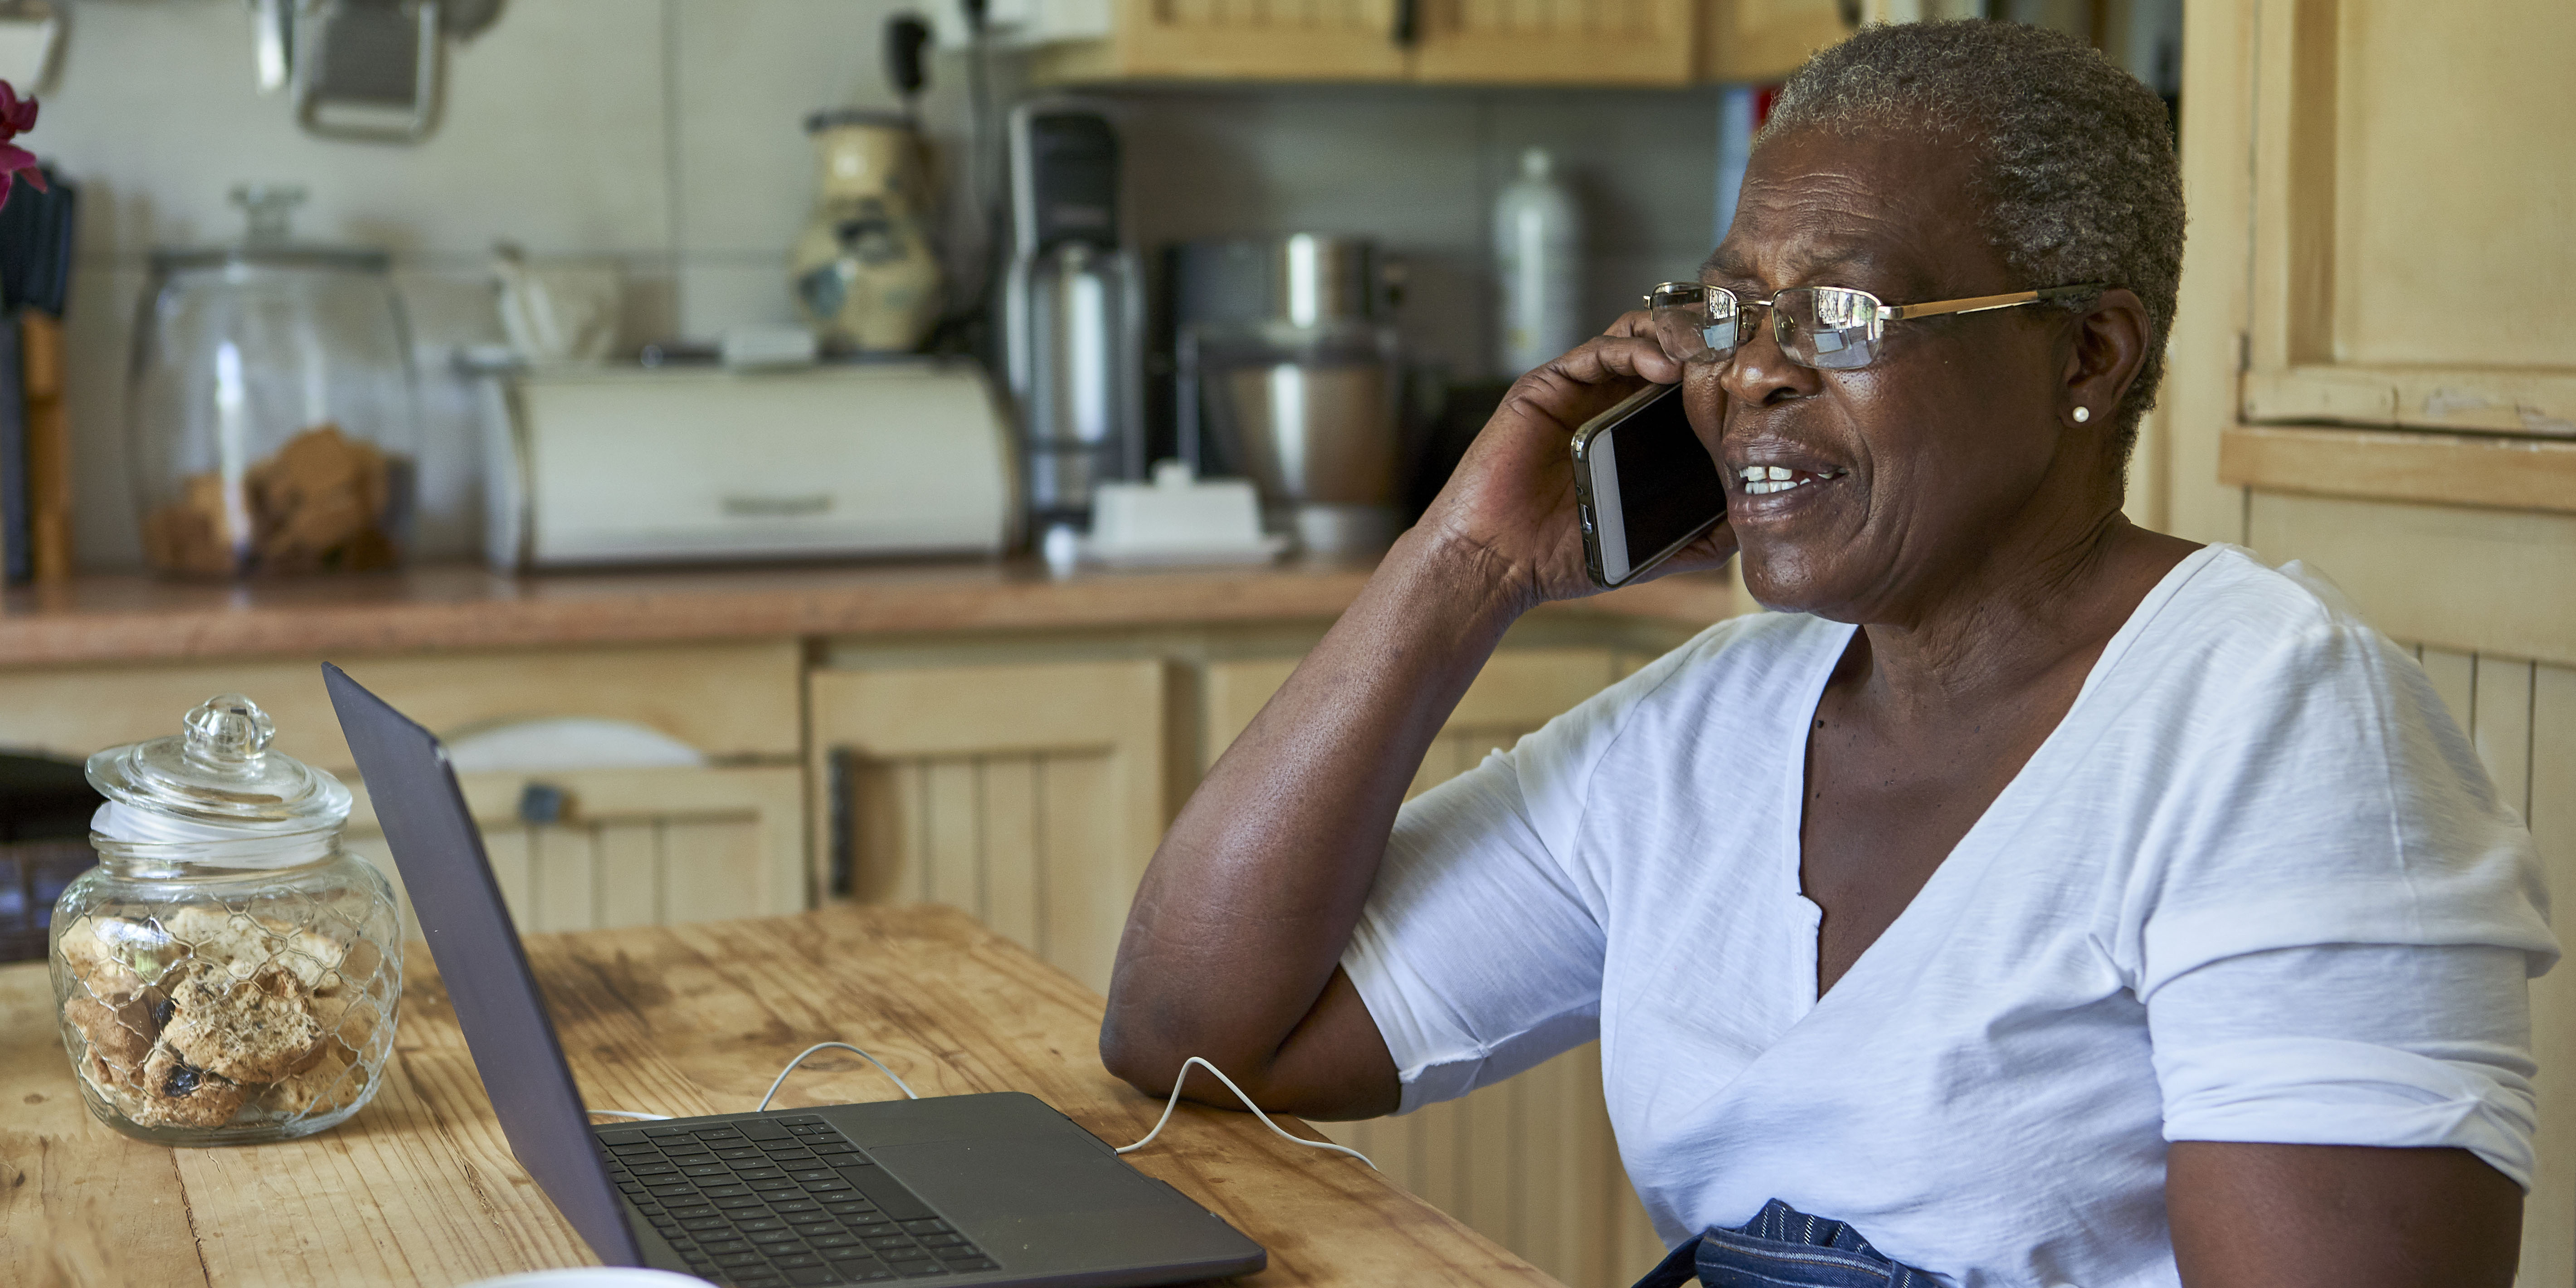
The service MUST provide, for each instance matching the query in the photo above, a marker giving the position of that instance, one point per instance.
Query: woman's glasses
(1832, 328)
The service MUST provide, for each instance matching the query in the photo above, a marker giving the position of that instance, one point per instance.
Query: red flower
(17, 116)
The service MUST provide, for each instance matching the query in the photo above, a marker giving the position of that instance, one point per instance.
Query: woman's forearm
(1244, 912)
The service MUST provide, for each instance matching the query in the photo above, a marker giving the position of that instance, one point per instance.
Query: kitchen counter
(137, 618)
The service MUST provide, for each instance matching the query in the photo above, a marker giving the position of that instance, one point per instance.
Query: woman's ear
(2110, 345)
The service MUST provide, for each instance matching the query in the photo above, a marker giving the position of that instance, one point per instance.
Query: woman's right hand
(1510, 504)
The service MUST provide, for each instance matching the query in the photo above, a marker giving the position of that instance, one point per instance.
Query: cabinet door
(1572, 42)
(1029, 796)
(1271, 40)
(2410, 199)
(632, 847)
(1761, 41)
(734, 700)
(1530, 1163)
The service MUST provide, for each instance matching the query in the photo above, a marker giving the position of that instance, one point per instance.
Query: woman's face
(1944, 451)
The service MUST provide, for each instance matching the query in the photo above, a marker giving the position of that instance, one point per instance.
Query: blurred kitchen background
(666, 140)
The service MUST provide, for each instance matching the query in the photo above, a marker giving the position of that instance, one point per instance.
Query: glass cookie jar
(227, 974)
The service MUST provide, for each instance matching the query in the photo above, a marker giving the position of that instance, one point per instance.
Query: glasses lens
(1830, 327)
(1694, 323)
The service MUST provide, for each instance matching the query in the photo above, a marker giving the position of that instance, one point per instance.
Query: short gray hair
(2079, 179)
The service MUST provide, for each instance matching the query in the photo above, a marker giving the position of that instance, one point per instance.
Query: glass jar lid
(218, 782)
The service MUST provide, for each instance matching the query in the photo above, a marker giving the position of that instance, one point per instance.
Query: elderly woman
(2028, 898)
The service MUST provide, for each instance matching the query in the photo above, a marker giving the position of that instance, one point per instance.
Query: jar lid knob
(229, 729)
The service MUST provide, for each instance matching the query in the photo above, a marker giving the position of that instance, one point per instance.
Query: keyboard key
(888, 1242)
(725, 1191)
(692, 1210)
(832, 1147)
(702, 1224)
(731, 1201)
(666, 1130)
(795, 1259)
(792, 1157)
(812, 1228)
(759, 1174)
(650, 1170)
(952, 1256)
(852, 1207)
(773, 1184)
(919, 1269)
(814, 1275)
(742, 1259)
(721, 1249)
(929, 1226)
(815, 1174)
(761, 1281)
(974, 1263)
(897, 1256)
(831, 1240)
(720, 1132)
(874, 1228)
(799, 1120)
(942, 1240)
(631, 1187)
(759, 1223)
(796, 1205)
(624, 1136)
(707, 1169)
(768, 1237)
(675, 1191)
(732, 1152)
(825, 1187)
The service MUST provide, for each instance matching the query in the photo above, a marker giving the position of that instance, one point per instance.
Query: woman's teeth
(1762, 480)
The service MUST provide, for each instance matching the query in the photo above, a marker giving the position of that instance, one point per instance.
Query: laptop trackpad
(1018, 1176)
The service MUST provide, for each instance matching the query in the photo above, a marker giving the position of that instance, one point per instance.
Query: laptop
(981, 1189)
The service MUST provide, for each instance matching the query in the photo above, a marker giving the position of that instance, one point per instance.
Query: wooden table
(420, 1187)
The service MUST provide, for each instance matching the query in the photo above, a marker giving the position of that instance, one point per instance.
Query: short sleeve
(2338, 917)
(1479, 953)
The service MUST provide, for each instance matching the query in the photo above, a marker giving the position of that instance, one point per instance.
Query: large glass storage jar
(272, 408)
(227, 974)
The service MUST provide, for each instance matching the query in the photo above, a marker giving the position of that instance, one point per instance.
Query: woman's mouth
(1763, 480)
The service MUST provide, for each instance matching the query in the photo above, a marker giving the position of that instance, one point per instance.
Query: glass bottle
(227, 974)
(272, 406)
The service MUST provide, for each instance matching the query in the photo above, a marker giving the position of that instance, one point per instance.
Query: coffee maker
(1072, 313)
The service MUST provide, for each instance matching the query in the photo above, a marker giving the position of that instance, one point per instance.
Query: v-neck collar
(1808, 917)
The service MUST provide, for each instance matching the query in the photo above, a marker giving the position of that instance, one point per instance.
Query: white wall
(668, 133)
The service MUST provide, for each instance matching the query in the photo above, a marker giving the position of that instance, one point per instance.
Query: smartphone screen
(1646, 485)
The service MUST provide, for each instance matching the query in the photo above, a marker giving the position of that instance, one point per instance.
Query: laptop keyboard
(779, 1201)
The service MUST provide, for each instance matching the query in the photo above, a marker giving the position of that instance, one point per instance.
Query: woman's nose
(1760, 373)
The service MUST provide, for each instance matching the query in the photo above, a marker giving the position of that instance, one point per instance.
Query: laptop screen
(452, 890)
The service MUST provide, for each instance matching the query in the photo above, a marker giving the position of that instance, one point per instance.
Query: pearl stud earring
(2083, 414)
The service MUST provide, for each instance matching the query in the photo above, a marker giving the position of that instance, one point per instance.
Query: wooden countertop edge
(115, 620)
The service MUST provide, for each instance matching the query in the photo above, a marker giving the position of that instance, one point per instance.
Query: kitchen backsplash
(668, 134)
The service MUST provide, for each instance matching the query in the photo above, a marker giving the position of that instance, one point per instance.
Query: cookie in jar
(227, 974)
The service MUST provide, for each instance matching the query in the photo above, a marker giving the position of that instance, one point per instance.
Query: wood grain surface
(420, 1187)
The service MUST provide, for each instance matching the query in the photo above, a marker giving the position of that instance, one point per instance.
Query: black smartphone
(1645, 486)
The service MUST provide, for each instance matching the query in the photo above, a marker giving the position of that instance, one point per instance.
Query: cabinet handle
(841, 846)
(1408, 22)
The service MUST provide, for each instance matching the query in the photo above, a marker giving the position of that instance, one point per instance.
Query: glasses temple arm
(1981, 303)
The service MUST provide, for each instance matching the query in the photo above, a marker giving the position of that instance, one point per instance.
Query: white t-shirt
(2254, 887)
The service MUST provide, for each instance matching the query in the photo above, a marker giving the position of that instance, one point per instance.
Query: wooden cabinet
(1031, 796)
(1478, 42)
(633, 847)
(1269, 40)
(1549, 42)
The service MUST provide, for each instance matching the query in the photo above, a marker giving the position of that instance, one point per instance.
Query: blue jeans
(1782, 1247)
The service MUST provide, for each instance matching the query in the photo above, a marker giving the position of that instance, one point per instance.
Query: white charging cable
(629, 1113)
(831, 1046)
(1175, 1101)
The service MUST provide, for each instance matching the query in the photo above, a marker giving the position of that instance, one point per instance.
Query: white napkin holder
(1178, 519)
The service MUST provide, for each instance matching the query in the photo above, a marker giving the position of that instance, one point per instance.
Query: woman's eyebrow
(1807, 266)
